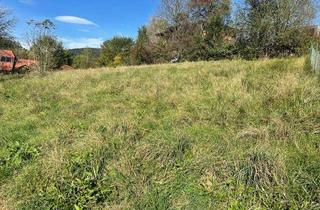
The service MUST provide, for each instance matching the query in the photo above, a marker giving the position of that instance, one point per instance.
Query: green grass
(206, 135)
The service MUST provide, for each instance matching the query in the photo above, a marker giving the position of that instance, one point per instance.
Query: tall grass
(205, 135)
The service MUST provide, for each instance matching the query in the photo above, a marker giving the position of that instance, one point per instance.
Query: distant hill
(95, 51)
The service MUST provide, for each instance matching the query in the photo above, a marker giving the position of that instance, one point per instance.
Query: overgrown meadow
(204, 135)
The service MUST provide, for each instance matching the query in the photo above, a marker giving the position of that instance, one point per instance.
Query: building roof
(7, 53)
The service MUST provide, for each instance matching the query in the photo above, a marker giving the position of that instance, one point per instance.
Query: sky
(82, 23)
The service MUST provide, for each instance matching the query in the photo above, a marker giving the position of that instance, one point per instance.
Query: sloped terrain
(205, 135)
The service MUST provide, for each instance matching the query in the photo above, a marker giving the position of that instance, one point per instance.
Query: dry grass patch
(203, 135)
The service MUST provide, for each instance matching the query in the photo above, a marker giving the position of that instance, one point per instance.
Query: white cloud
(82, 42)
(83, 30)
(29, 2)
(75, 20)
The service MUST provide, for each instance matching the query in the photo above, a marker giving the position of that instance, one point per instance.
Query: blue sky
(82, 23)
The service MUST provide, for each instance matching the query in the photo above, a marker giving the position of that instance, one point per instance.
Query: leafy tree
(45, 47)
(214, 18)
(117, 46)
(183, 40)
(49, 53)
(85, 60)
(142, 52)
(180, 37)
(269, 28)
(67, 57)
(157, 45)
(9, 43)
(196, 29)
(117, 61)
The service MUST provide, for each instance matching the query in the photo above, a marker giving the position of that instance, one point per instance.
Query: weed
(203, 135)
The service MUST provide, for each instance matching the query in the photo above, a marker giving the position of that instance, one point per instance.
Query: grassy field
(206, 135)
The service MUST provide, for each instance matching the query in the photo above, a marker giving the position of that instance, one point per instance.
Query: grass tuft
(203, 135)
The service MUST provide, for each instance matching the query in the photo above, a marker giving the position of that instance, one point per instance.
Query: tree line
(192, 30)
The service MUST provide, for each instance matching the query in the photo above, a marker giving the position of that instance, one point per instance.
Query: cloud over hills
(81, 42)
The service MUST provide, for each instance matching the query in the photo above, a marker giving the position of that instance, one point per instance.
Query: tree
(117, 46)
(6, 24)
(49, 53)
(117, 61)
(183, 40)
(67, 57)
(196, 29)
(170, 10)
(45, 47)
(9, 43)
(156, 26)
(214, 18)
(180, 37)
(39, 29)
(157, 45)
(85, 60)
(269, 28)
(142, 52)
